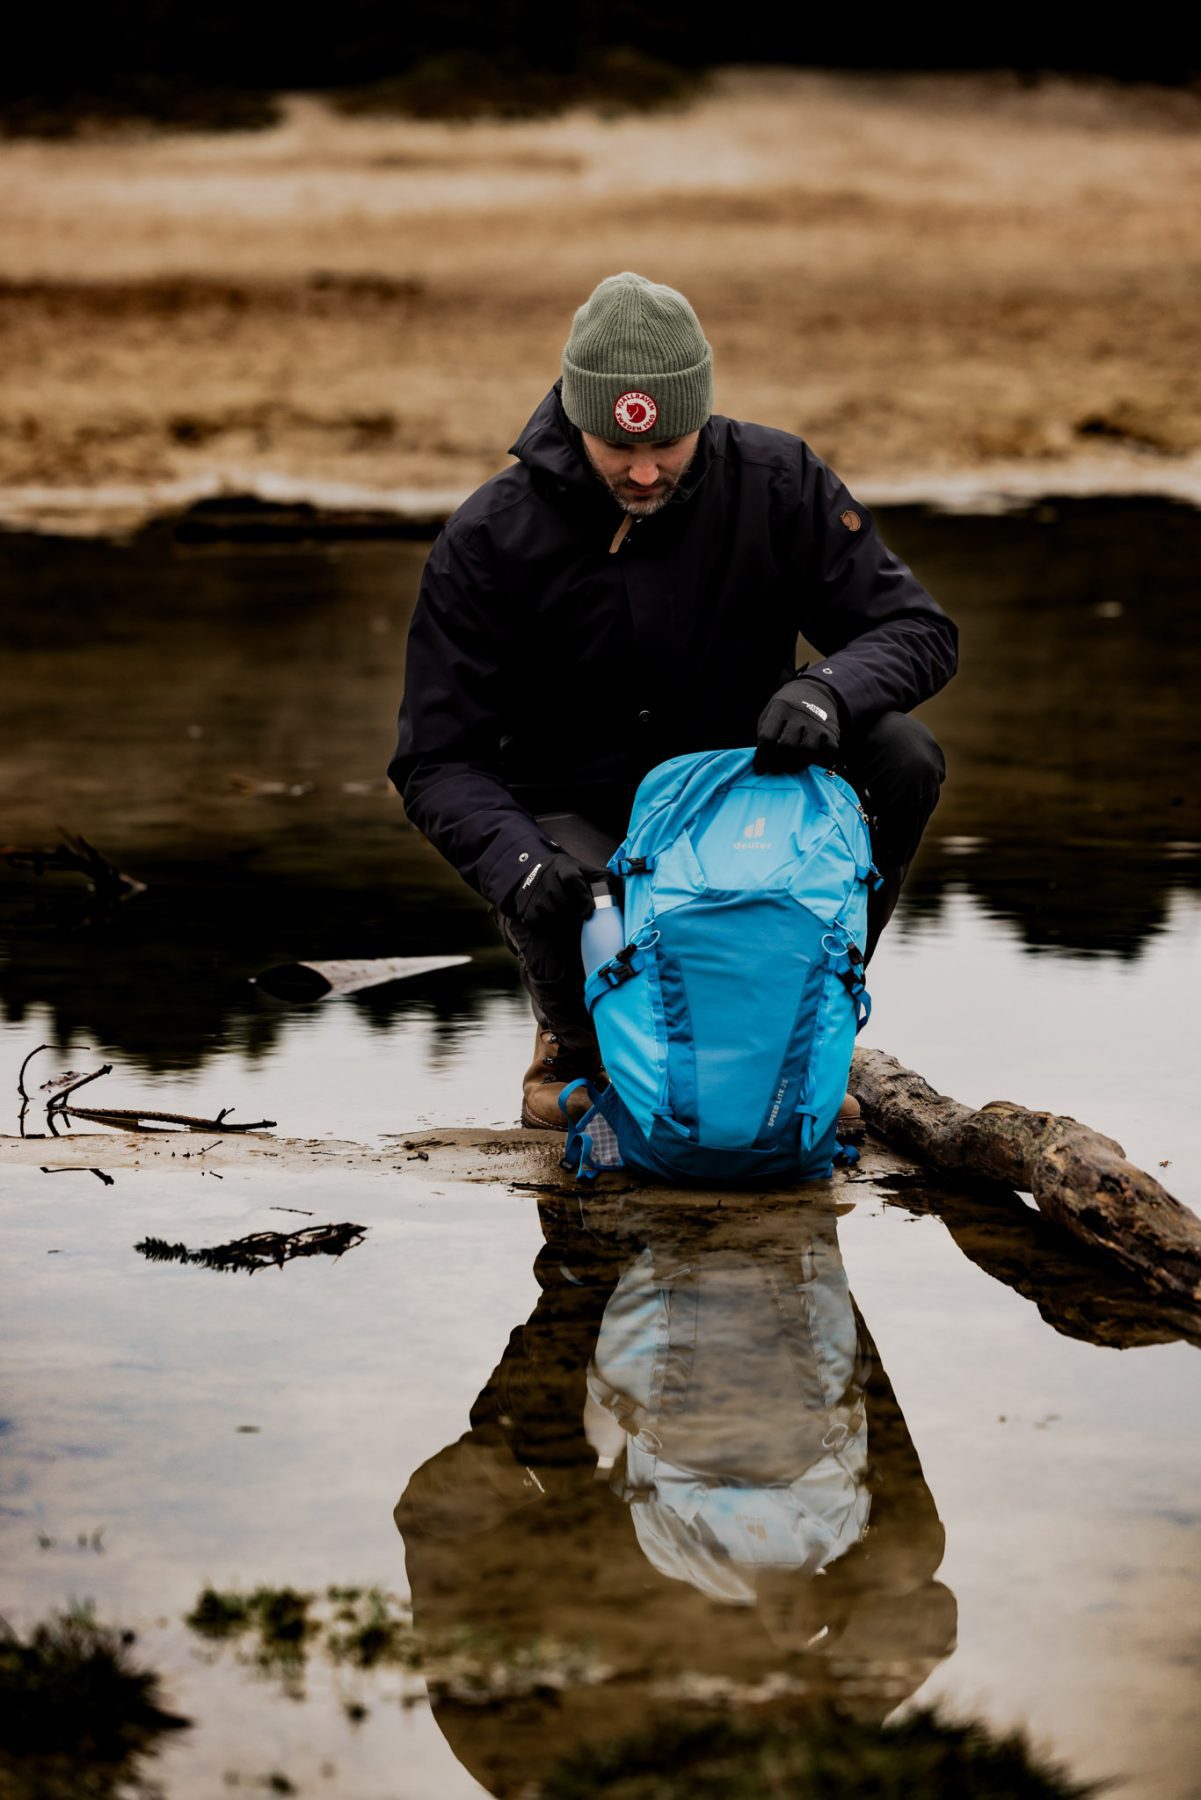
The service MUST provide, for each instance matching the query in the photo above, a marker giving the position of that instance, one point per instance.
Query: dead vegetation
(108, 885)
(369, 1628)
(261, 1249)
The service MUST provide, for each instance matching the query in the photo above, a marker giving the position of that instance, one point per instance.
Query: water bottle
(603, 934)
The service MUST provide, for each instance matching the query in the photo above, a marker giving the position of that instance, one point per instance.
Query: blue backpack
(727, 1021)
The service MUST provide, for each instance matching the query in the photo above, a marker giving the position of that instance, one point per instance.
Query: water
(216, 718)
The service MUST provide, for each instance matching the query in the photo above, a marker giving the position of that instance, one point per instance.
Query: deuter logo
(752, 836)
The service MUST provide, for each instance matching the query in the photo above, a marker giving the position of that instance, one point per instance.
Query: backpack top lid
(720, 1538)
(740, 821)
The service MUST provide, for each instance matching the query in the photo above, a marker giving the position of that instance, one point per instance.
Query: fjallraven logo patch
(850, 519)
(635, 412)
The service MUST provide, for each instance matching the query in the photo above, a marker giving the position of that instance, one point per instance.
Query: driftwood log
(1077, 1177)
(303, 981)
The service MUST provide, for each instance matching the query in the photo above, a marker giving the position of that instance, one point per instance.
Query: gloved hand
(556, 891)
(798, 726)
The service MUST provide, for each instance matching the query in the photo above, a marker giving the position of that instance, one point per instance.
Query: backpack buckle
(853, 977)
(619, 967)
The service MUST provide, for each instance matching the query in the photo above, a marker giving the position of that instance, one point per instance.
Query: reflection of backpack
(726, 1023)
(740, 1387)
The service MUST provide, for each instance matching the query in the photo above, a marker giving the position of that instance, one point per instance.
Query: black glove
(555, 891)
(798, 726)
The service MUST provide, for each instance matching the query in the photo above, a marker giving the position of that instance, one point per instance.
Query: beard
(640, 502)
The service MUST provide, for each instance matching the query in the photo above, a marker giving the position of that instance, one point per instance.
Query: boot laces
(571, 1061)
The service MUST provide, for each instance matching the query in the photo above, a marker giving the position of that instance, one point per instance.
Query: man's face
(641, 477)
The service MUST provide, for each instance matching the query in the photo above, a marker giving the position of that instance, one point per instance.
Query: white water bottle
(603, 933)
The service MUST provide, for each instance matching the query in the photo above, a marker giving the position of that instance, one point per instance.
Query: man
(630, 591)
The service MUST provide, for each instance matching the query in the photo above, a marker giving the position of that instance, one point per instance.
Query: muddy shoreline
(275, 507)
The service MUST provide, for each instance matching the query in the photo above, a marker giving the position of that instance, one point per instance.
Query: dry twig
(78, 1169)
(121, 1118)
(24, 1097)
(132, 1118)
(57, 1102)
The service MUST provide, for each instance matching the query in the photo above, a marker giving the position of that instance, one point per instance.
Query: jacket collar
(552, 449)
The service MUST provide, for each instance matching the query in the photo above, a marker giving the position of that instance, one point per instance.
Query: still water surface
(216, 717)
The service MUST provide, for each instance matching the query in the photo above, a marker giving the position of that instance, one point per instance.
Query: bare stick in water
(130, 1118)
(24, 1066)
(57, 1103)
(24, 1097)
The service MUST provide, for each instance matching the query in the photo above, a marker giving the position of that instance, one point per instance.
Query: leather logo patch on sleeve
(850, 519)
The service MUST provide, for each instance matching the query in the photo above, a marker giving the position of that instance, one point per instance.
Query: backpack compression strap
(592, 1142)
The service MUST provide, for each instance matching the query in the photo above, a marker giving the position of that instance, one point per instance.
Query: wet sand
(527, 1160)
(488, 1156)
(940, 281)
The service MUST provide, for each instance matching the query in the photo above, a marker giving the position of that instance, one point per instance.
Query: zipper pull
(620, 535)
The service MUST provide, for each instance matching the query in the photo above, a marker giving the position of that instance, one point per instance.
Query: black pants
(895, 767)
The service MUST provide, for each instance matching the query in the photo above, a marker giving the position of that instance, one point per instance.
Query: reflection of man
(727, 1499)
(630, 591)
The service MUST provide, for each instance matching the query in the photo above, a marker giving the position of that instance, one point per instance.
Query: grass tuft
(827, 1756)
(77, 1712)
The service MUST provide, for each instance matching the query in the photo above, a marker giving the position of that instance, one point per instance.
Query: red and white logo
(635, 412)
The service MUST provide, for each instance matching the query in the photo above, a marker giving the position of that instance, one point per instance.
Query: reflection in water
(217, 719)
(731, 1403)
(690, 1460)
(1079, 1295)
(1070, 805)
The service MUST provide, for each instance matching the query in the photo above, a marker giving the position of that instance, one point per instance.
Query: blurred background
(273, 297)
(276, 290)
(241, 246)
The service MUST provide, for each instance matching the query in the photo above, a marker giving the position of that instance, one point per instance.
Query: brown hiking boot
(850, 1128)
(554, 1065)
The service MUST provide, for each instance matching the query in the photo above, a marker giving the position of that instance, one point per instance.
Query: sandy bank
(434, 1161)
(936, 281)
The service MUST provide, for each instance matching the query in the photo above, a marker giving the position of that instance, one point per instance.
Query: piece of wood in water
(306, 981)
(1076, 1176)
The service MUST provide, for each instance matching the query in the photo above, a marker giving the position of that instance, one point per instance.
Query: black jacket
(546, 673)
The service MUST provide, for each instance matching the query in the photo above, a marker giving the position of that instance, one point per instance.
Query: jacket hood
(553, 450)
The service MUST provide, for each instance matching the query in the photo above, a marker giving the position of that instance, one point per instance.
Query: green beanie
(636, 367)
